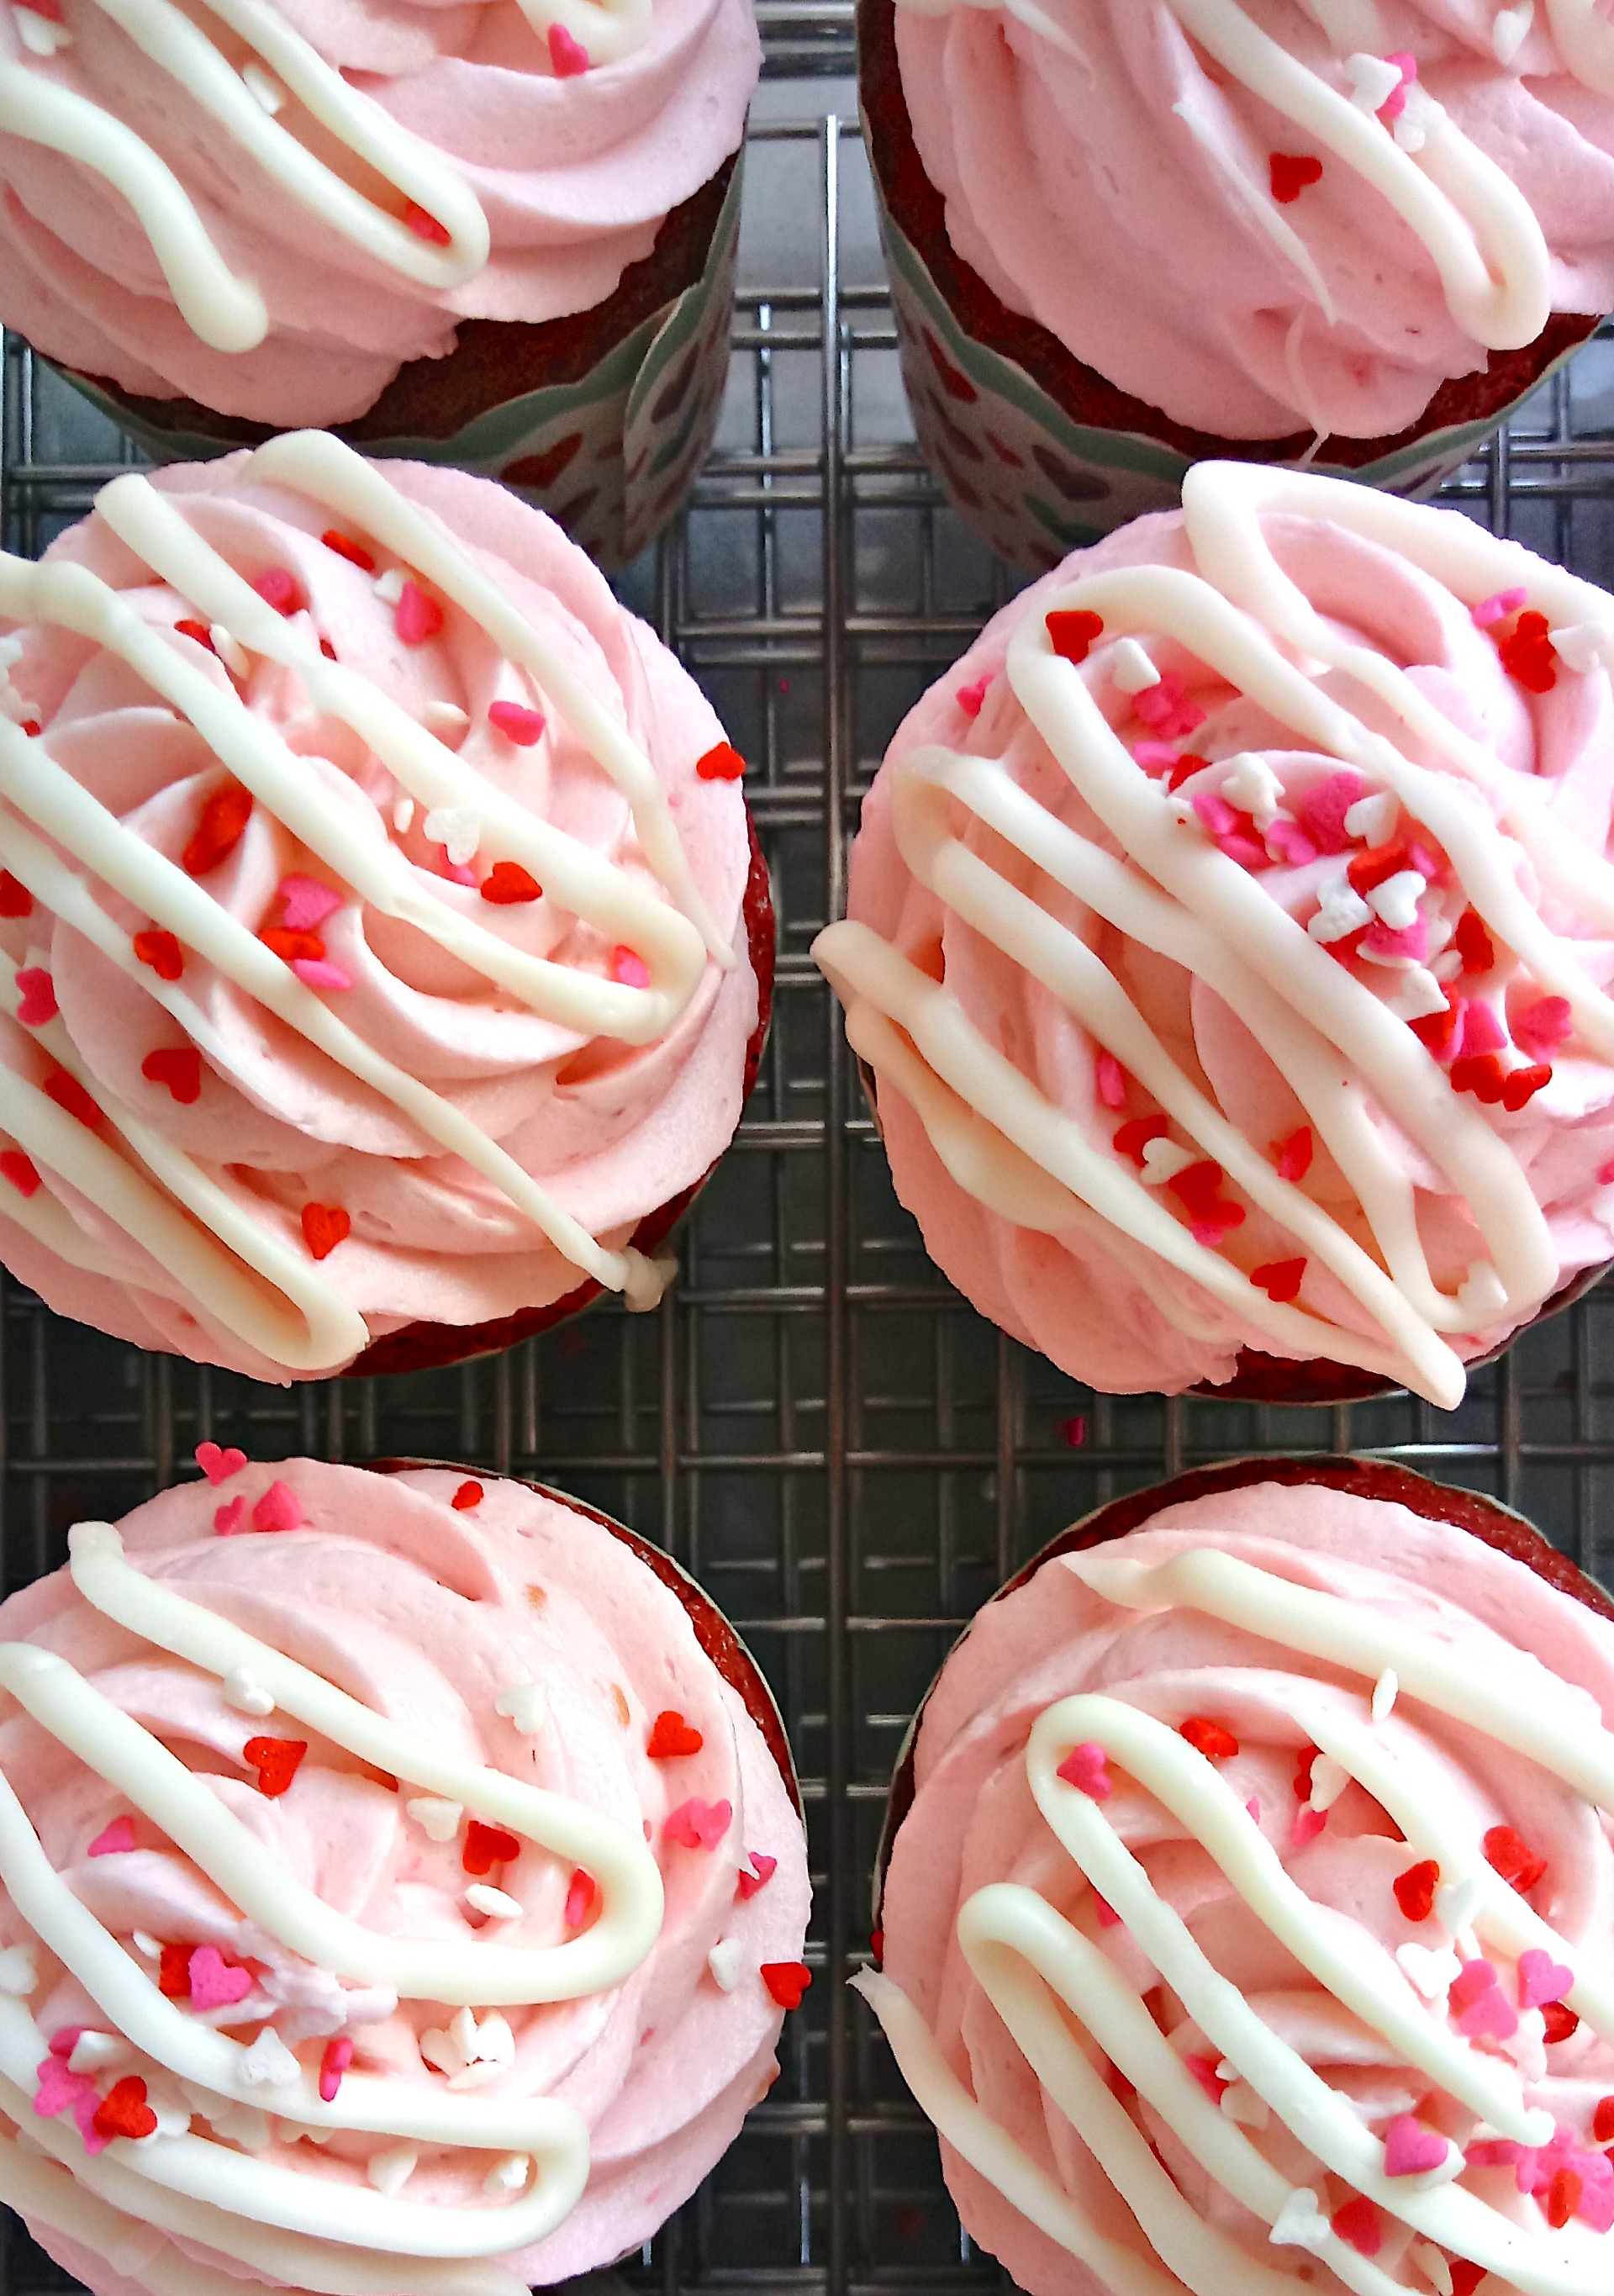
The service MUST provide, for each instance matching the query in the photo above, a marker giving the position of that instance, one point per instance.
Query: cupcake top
(1249, 1925)
(271, 205)
(1229, 936)
(373, 910)
(394, 1891)
(1305, 214)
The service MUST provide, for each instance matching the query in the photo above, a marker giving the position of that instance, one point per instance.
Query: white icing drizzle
(238, 1274)
(1331, 1037)
(1035, 1966)
(330, 2236)
(223, 309)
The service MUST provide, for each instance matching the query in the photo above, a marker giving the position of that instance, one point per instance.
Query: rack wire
(848, 1457)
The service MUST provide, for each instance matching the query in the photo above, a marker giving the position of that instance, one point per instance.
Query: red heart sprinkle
(488, 1846)
(1357, 2224)
(36, 1002)
(416, 617)
(469, 1495)
(19, 1170)
(173, 1971)
(1602, 2120)
(787, 1982)
(1214, 1740)
(1293, 1156)
(1473, 944)
(198, 632)
(1291, 172)
(1512, 1856)
(877, 1946)
(722, 764)
(1563, 2196)
(1528, 655)
(1465, 2277)
(673, 1737)
(1279, 1279)
(218, 832)
(123, 2111)
(1134, 1137)
(1559, 2019)
(1521, 1086)
(427, 226)
(70, 1096)
(345, 547)
(1073, 633)
(292, 946)
(324, 1226)
(1303, 1774)
(161, 951)
(524, 727)
(1415, 1890)
(179, 1067)
(275, 1760)
(15, 900)
(507, 883)
(278, 586)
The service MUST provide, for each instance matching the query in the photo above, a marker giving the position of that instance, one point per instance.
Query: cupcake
(405, 1881)
(1123, 241)
(388, 955)
(1245, 1919)
(500, 237)
(1227, 943)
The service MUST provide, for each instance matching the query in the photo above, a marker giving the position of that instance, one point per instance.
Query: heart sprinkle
(279, 1509)
(228, 1519)
(218, 1465)
(332, 2065)
(1411, 2150)
(123, 2111)
(115, 1840)
(1542, 1980)
(276, 1761)
(580, 1897)
(469, 1495)
(762, 1871)
(723, 763)
(37, 996)
(179, 1067)
(697, 1824)
(1214, 1740)
(20, 1171)
(324, 1226)
(1086, 1769)
(787, 1982)
(488, 1846)
(212, 1982)
(507, 885)
(673, 1737)
(524, 727)
(416, 617)
(1415, 1890)
(568, 55)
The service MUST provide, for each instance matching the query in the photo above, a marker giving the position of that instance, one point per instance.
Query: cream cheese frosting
(373, 915)
(270, 206)
(387, 1879)
(1251, 1921)
(1268, 216)
(1229, 937)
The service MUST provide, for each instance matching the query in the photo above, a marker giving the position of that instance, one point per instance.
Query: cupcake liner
(713, 1632)
(609, 444)
(1368, 1479)
(428, 1347)
(1039, 453)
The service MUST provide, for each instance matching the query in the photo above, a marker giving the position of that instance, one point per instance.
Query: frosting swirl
(1229, 938)
(363, 968)
(1251, 1921)
(272, 207)
(1266, 219)
(258, 2022)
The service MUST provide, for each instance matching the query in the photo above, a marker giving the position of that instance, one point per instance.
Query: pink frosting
(427, 1615)
(576, 174)
(973, 1822)
(1070, 1295)
(1084, 200)
(610, 1131)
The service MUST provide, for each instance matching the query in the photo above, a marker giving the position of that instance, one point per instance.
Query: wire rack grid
(848, 1457)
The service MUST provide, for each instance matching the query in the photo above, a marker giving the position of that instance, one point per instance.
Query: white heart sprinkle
(1433, 2265)
(1385, 1693)
(1239, 2103)
(508, 2175)
(1580, 646)
(1300, 2223)
(496, 2044)
(19, 1971)
(1131, 668)
(1457, 1902)
(268, 2063)
(441, 1820)
(464, 2030)
(442, 2052)
(10, 654)
(1510, 29)
(1414, 994)
(1163, 1159)
(1429, 1973)
(390, 585)
(498, 1905)
(1447, 967)
(526, 1706)
(1372, 80)
(477, 2076)
(1251, 785)
(445, 719)
(391, 2170)
(246, 1695)
(1329, 1780)
(1411, 131)
(148, 1946)
(38, 33)
(173, 2117)
(1395, 901)
(403, 813)
(263, 87)
(93, 2051)
(1372, 819)
(1341, 910)
(727, 1962)
(1482, 1292)
(457, 830)
(230, 651)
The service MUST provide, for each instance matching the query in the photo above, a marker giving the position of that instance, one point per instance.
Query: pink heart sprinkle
(1309, 1823)
(1111, 1079)
(57, 2088)
(1108, 1918)
(524, 727)
(630, 969)
(319, 972)
(1214, 810)
(37, 1002)
(1324, 809)
(1087, 1768)
(279, 1509)
(1542, 1027)
(1494, 2152)
(763, 1869)
(1409, 2149)
(1287, 841)
(1154, 757)
(1498, 607)
(1404, 941)
(568, 56)
(277, 586)
(416, 617)
(1482, 1031)
(1605, 1173)
(697, 1824)
(84, 2109)
(332, 2065)
(1245, 851)
(970, 699)
(65, 2040)
(215, 1983)
(1204, 2070)
(116, 1839)
(1540, 1979)
(1472, 1981)
(306, 902)
(217, 1465)
(1492, 2017)
(227, 1519)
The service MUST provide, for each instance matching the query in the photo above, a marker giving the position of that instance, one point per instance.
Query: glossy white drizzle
(222, 309)
(1028, 1959)
(190, 1223)
(1334, 1039)
(326, 2235)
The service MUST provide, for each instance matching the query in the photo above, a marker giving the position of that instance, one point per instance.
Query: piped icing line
(1585, 41)
(474, 1973)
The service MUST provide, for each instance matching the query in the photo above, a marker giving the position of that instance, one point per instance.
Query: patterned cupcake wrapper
(1033, 483)
(609, 456)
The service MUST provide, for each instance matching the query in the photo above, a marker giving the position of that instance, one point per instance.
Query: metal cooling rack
(849, 1458)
